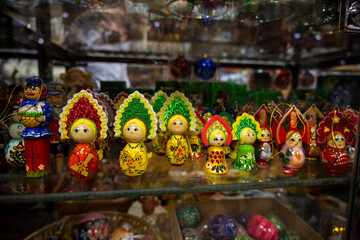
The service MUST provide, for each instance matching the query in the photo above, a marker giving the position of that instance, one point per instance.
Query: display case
(253, 51)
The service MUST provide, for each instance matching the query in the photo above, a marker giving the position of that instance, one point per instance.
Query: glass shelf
(160, 178)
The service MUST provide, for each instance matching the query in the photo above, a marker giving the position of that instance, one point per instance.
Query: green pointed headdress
(177, 104)
(136, 106)
(245, 121)
(158, 100)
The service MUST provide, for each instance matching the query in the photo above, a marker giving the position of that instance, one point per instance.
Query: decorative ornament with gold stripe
(177, 116)
(135, 121)
(84, 121)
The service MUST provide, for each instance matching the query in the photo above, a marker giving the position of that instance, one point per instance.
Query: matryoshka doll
(36, 114)
(314, 116)
(245, 129)
(194, 137)
(248, 108)
(264, 145)
(83, 120)
(14, 151)
(75, 80)
(135, 121)
(336, 131)
(119, 99)
(207, 114)
(177, 116)
(292, 131)
(217, 134)
(353, 116)
(160, 140)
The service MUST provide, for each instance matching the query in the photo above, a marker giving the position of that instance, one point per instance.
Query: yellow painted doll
(135, 121)
(177, 116)
(217, 134)
(160, 140)
(195, 138)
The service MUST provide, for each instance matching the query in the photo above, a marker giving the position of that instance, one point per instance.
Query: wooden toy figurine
(245, 129)
(14, 151)
(119, 99)
(217, 134)
(292, 131)
(353, 116)
(177, 116)
(264, 145)
(135, 121)
(160, 140)
(336, 131)
(36, 114)
(83, 120)
(194, 139)
(75, 80)
(314, 116)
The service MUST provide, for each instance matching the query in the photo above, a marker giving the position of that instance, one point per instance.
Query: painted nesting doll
(245, 129)
(264, 145)
(336, 131)
(160, 140)
(314, 116)
(217, 134)
(353, 116)
(83, 120)
(36, 115)
(177, 116)
(119, 99)
(207, 114)
(135, 121)
(292, 131)
(194, 137)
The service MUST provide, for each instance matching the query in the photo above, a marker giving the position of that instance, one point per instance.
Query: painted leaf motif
(288, 153)
(282, 155)
(286, 161)
(287, 129)
(300, 127)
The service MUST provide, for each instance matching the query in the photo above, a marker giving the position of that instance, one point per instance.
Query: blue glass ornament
(205, 69)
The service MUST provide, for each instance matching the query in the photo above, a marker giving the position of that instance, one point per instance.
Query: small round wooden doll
(14, 151)
(217, 134)
(135, 121)
(292, 131)
(36, 114)
(84, 121)
(245, 129)
(353, 116)
(264, 145)
(160, 140)
(177, 116)
(314, 116)
(336, 131)
(194, 139)
(207, 114)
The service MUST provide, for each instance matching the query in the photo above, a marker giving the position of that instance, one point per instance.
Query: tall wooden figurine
(314, 116)
(36, 114)
(292, 131)
(353, 116)
(194, 137)
(336, 131)
(264, 145)
(217, 134)
(83, 120)
(245, 129)
(160, 140)
(135, 121)
(177, 116)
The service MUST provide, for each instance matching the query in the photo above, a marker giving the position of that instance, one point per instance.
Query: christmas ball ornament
(191, 234)
(180, 67)
(261, 228)
(242, 218)
(283, 79)
(306, 79)
(189, 217)
(278, 223)
(205, 69)
(92, 226)
(223, 227)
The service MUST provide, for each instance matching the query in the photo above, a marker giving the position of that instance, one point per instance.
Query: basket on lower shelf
(116, 219)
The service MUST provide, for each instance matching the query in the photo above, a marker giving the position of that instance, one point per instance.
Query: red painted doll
(336, 131)
(84, 120)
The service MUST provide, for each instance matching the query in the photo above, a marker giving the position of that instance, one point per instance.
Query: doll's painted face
(133, 133)
(294, 139)
(82, 133)
(338, 141)
(178, 126)
(249, 137)
(217, 140)
(265, 135)
(32, 92)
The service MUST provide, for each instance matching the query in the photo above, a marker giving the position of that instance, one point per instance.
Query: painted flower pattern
(41, 167)
(27, 168)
